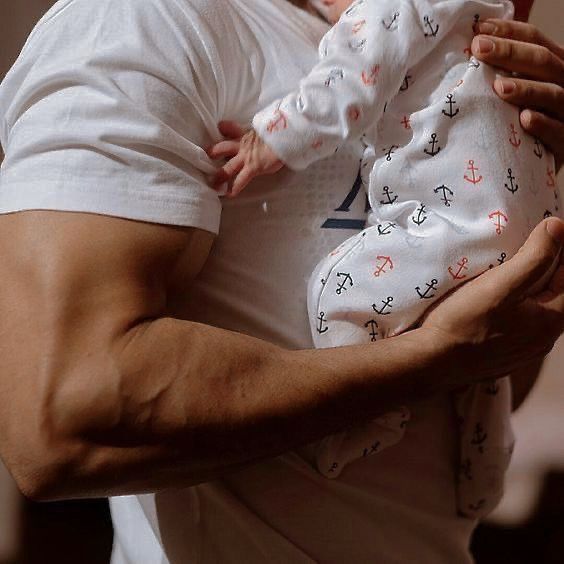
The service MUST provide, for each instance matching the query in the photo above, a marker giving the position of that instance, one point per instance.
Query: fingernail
(485, 45)
(555, 228)
(505, 86)
(486, 27)
(526, 118)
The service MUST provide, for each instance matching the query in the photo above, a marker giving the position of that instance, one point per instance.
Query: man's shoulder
(81, 31)
(127, 14)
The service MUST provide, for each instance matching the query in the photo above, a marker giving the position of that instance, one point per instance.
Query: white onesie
(455, 186)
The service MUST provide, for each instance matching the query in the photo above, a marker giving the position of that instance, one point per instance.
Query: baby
(454, 183)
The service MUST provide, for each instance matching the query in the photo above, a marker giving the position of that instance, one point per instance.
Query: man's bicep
(72, 287)
(82, 264)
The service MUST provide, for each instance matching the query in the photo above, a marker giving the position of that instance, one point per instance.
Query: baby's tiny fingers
(224, 149)
(242, 180)
(228, 171)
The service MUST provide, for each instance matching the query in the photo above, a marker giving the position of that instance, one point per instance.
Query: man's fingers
(556, 284)
(533, 61)
(231, 129)
(552, 301)
(224, 149)
(518, 31)
(532, 264)
(541, 96)
(548, 130)
(228, 171)
(521, 48)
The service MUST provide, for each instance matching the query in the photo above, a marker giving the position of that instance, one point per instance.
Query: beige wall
(17, 18)
(549, 16)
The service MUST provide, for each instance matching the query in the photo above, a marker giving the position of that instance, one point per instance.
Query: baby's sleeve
(363, 61)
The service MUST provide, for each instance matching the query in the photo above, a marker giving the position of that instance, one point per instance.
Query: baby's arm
(250, 157)
(365, 57)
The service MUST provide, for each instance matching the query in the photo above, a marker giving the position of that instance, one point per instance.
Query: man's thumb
(555, 228)
(532, 267)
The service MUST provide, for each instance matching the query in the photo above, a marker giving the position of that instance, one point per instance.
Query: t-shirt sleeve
(107, 110)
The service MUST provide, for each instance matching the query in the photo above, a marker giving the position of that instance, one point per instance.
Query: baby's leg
(360, 293)
(379, 284)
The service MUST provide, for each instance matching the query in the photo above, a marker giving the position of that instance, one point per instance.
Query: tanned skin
(103, 391)
(106, 390)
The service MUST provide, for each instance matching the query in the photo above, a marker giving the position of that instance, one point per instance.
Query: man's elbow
(41, 443)
(42, 467)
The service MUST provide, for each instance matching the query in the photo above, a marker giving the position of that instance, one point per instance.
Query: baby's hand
(249, 157)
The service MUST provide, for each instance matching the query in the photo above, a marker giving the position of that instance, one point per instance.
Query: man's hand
(496, 318)
(537, 86)
(249, 156)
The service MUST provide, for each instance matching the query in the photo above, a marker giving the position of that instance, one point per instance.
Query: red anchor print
(279, 122)
(337, 250)
(354, 113)
(461, 266)
(369, 78)
(459, 83)
(551, 182)
(497, 217)
(358, 26)
(384, 263)
(406, 122)
(475, 179)
(514, 140)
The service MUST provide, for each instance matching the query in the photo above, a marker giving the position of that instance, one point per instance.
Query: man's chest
(270, 239)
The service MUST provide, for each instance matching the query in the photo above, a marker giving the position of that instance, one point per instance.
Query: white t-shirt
(105, 111)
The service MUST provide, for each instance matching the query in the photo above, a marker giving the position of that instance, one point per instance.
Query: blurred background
(527, 527)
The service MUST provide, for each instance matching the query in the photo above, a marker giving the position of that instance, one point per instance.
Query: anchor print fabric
(455, 187)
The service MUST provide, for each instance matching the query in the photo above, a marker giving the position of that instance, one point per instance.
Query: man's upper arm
(105, 112)
(72, 286)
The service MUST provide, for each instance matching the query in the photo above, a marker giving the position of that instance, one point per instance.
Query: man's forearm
(194, 401)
